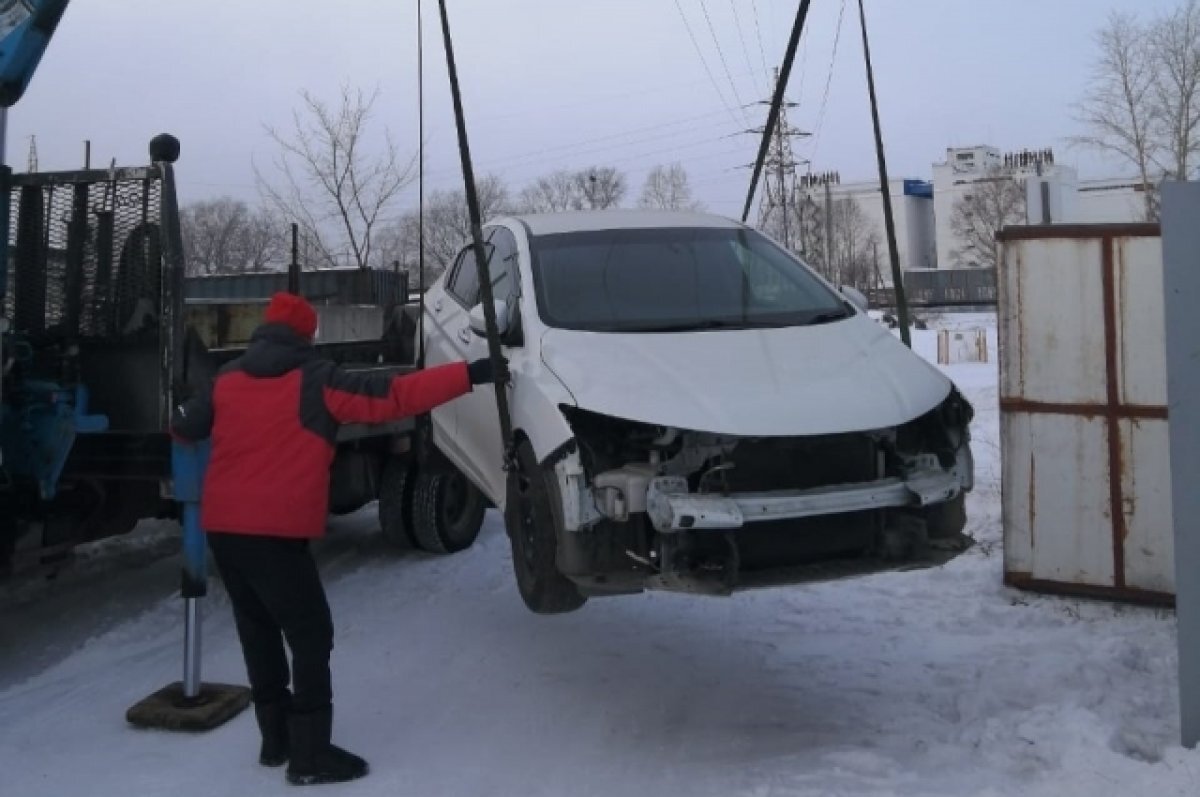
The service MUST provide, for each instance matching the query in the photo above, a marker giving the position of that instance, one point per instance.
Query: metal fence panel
(1083, 421)
(85, 259)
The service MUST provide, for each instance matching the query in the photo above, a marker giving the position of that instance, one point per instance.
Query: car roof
(596, 220)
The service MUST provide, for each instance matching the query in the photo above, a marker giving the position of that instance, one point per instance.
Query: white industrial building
(1122, 199)
(912, 211)
(923, 211)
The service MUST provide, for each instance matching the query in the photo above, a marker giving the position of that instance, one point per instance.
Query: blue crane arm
(25, 29)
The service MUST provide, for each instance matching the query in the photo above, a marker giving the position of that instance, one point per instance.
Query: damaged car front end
(697, 410)
(650, 507)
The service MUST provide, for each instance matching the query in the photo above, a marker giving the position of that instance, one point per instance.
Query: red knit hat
(293, 311)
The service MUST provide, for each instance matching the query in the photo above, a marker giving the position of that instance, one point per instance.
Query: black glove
(482, 373)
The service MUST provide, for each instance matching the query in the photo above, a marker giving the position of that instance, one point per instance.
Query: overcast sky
(565, 83)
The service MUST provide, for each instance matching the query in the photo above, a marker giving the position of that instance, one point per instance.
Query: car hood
(846, 376)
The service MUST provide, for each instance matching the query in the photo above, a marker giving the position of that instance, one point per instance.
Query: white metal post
(1181, 284)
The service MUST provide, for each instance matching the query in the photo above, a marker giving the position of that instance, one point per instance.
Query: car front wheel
(529, 518)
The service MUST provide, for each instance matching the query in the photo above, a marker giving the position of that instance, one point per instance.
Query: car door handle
(437, 306)
(464, 334)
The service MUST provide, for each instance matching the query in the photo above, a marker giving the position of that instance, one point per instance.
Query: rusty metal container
(1083, 412)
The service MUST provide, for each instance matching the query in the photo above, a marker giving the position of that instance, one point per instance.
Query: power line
(627, 162)
(704, 61)
(762, 51)
(588, 100)
(737, 20)
(804, 48)
(828, 81)
(607, 143)
(721, 53)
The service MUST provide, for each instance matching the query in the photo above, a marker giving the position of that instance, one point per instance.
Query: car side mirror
(856, 297)
(479, 324)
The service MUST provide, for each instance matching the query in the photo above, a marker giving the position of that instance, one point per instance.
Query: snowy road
(933, 683)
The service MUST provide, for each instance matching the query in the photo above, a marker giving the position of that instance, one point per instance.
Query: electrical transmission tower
(777, 209)
(32, 164)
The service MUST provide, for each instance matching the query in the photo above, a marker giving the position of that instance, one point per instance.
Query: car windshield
(675, 279)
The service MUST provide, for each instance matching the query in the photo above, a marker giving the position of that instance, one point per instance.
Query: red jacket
(273, 415)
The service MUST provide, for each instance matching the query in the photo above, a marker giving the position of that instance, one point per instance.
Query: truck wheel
(529, 517)
(447, 510)
(396, 503)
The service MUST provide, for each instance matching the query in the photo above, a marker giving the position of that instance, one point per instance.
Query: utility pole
(781, 176)
(293, 279)
(828, 230)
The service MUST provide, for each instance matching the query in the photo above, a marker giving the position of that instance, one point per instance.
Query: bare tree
(447, 227)
(448, 224)
(992, 204)
(552, 193)
(1119, 108)
(668, 188)
(262, 240)
(226, 236)
(398, 242)
(209, 229)
(853, 246)
(1144, 100)
(601, 187)
(1174, 41)
(596, 188)
(330, 183)
(807, 230)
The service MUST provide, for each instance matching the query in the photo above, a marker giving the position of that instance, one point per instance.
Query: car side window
(463, 284)
(501, 250)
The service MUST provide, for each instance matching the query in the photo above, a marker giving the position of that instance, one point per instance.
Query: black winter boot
(313, 758)
(273, 724)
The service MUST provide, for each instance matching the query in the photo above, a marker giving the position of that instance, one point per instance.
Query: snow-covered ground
(939, 682)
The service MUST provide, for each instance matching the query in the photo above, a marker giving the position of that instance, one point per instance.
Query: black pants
(276, 594)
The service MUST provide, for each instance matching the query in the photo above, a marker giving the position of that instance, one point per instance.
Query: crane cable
(485, 282)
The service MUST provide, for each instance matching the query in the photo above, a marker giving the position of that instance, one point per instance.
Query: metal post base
(190, 705)
(169, 709)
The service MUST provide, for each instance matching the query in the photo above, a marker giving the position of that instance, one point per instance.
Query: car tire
(532, 530)
(447, 510)
(396, 503)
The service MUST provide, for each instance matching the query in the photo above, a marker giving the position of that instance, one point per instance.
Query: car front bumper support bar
(672, 508)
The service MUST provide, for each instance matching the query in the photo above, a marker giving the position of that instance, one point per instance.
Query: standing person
(272, 415)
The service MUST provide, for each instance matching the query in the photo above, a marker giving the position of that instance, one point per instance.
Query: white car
(695, 410)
